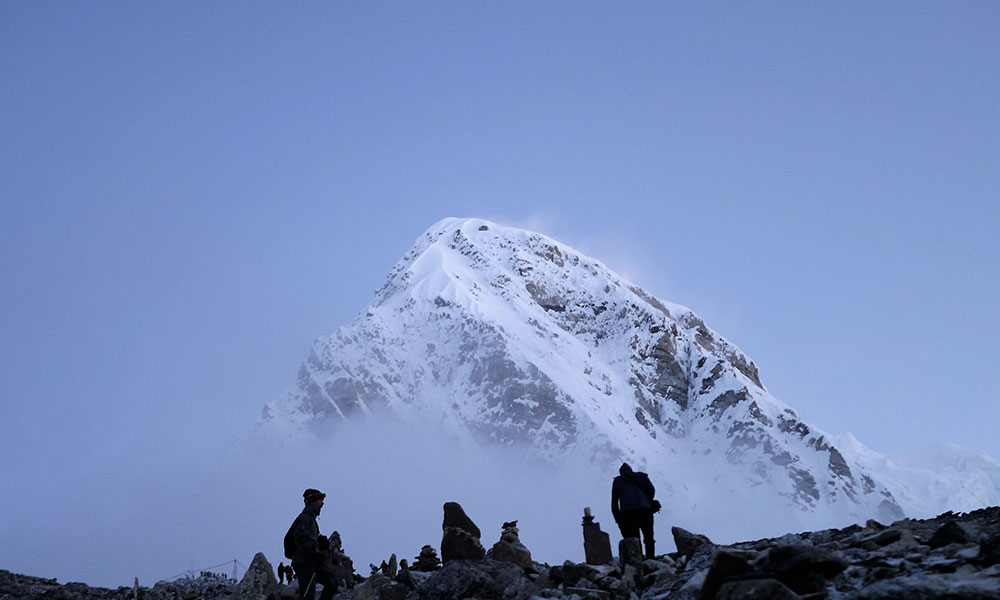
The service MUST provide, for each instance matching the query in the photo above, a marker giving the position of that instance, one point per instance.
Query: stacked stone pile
(427, 560)
(950, 557)
(510, 549)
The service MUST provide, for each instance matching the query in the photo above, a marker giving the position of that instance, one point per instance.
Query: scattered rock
(758, 589)
(949, 533)
(689, 543)
(393, 591)
(482, 579)
(369, 588)
(804, 569)
(874, 563)
(989, 550)
(571, 573)
(883, 537)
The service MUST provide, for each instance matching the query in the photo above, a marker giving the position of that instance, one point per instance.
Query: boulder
(369, 588)
(259, 582)
(454, 516)
(630, 552)
(483, 579)
(883, 537)
(393, 591)
(758, 589)
(949, 533)
(460, 540)
(629, 582)
(510, 549)
(802, 568)
(688, 543)
(571, 573)
(989, 550)
(691, 590)
(513, 553)
(458, 544)
(727, 565)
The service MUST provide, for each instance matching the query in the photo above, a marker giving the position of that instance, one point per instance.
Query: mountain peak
(504, 337)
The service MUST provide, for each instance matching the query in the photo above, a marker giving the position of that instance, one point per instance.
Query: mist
(155, 514)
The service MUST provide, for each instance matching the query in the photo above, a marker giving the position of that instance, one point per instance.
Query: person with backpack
(633, 505)
(303, 548)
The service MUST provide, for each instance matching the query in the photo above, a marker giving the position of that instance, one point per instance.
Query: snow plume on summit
(503, 339)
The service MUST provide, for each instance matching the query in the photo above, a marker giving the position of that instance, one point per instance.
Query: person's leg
(328, 580)
(629, 525)
(646, 524)
(306, 577)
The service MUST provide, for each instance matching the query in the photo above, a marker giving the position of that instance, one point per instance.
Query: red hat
(312, 495)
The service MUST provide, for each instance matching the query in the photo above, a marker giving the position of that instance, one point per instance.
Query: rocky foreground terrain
(952, 556)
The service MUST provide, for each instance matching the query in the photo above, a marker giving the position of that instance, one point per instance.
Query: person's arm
(615, 500)
(305, 533)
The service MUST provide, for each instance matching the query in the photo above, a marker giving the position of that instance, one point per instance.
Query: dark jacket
(305, 531)
(631, 490)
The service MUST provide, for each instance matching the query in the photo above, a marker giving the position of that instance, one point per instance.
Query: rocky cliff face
(507, 337)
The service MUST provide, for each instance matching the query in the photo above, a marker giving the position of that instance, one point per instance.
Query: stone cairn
(461, 536)
(343, 566)
(510, 549)
(427, 560)
(596, 543)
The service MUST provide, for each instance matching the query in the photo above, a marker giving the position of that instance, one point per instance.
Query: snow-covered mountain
(507, 337)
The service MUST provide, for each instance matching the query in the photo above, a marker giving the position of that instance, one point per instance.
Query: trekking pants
(310, 573)
(631, 522)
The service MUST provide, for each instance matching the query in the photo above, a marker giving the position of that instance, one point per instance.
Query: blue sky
(190, 193)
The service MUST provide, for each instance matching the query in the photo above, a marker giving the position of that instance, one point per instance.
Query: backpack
(642, 481)
(289, 542)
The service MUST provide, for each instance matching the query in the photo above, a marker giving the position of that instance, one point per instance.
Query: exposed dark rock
(886, 536)
(949, 533)
(369, 588)
(343, 566)
(486, 580)
(259, 582)
(571, 573)
(510, 549)
(688, 543)
(461, 536)
(596, 543)
(427, 560)
(458, 544)
(804, 569)
(727, 565)
(630, 552)
(876, 562)
(757, 589)
(989, 550)
(393, 591)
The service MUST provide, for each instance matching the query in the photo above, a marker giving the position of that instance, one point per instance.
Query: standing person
(632, 505)
(308, 562)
